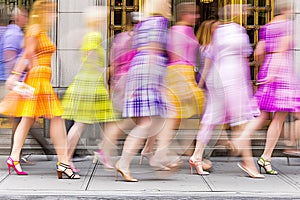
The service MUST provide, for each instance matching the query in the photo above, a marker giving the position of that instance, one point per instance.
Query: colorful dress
(278, 95)
(144, 94)
(44, 102)
(229, 95)
(86, 100)
(121, 56)
(185, 98)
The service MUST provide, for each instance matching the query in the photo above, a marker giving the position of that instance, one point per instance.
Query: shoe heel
(141, 160)
(95, 160)
(8, 168)
(116, 175)
(59, 174)
(192, 171)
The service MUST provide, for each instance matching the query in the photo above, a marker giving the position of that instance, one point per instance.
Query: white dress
(229, 90)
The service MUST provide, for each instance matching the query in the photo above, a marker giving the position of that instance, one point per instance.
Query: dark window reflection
(262, 18)
(118, 2)
(117, 32)
(261, 3)
(118, 18)
(251, 35)
(250, 19)
(129, 2)
(250, 2)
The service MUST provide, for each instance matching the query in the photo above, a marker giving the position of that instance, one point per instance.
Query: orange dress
(44, 102)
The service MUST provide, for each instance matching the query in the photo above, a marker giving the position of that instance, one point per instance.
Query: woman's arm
(207, 64)
(276, 62)
(29, 51)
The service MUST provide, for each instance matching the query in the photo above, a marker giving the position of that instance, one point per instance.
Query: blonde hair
(205, 32)
(157, 7)
(38, 13)
(94, 14)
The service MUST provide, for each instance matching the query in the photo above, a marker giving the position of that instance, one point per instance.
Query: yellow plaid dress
(86, 99)
(44, 102)
(185, 98)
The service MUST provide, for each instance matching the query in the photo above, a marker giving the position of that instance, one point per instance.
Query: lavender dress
(143, 93)
(228, 81)
(278, 95)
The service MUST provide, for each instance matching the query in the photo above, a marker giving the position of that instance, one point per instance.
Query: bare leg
(273, 134)
(254, 125)
(73, 137)
(59, 139)
(164, 139)
(19, 138)
(15, 123)
(203, 138)
(134, 142)
(248, 164)
(111, 133)
(149, 145)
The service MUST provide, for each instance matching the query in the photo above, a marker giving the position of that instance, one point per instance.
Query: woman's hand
(266, 80)
(11, 81)
(201, 83)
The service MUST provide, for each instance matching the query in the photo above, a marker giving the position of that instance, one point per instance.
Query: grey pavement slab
(226, 181)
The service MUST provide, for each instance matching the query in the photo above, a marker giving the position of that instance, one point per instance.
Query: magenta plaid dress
(278, 95)
(144, 94)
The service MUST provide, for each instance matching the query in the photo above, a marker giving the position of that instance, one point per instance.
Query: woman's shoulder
(155, 20)
(33, 30)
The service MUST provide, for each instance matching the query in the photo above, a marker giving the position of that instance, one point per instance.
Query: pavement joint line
(208, 185)
(287, 179)
(91, 176)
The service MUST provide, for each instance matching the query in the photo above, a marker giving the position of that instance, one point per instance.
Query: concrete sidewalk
(226, 181)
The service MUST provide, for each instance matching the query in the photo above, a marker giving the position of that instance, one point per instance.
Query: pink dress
(121, 56)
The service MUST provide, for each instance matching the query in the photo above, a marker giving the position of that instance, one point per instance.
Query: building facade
(69, 27)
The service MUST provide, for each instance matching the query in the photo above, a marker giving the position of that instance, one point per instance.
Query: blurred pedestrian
(43, 102)
(86, 101)
(229, 85)
(12, 47)
(204, 35)
(144, 100)
(184, 98)
(278, 82)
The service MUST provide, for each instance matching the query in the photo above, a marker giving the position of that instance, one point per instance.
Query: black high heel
(65, 169)
(262, 163)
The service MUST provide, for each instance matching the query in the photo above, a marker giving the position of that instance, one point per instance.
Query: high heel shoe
(157, 165)
(73, 168)
(197, 164)
(126, 176)
(12, 164)
(148, 156)
(65, 169)
(100, 156)
(262, 163)
(249, 172)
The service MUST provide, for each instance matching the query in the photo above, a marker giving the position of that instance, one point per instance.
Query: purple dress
(278, 95)
(144, 87)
